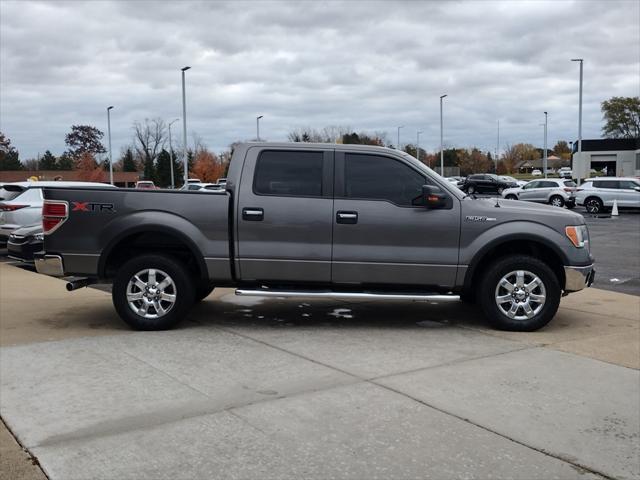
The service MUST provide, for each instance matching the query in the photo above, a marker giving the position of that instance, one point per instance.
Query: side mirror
(433, 197)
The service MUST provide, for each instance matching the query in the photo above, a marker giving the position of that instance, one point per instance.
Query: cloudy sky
(368, 65)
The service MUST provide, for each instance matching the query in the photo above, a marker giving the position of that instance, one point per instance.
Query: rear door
(607, 190)
(379, 237)
(284, 217)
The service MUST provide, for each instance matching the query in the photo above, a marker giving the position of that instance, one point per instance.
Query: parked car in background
(145, 185)
(536, 172)
(554, 191)
(565, 172)
(221, 181)
(597, 194)
(455, 180)
(194, 187)
(520, 183)
(21, 203)
(485, 183)
(24, 242)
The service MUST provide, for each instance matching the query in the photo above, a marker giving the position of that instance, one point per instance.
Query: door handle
(251, 214)
(348, 218)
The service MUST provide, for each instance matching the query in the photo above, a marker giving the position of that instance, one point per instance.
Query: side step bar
(346, 295)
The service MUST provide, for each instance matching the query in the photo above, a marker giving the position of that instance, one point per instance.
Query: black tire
(471, 189)
(594, 205)
(489, 290)
(570, 206)
(556, 201)
(182, 287)
(203, 291)
(511, 197)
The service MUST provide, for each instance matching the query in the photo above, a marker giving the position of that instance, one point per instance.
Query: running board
(346, 295)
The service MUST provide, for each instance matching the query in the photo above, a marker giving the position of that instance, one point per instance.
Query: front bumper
(49, 264)
(578, 278)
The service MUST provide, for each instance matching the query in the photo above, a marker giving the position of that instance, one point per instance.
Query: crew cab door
(379, 237)
(284, 215)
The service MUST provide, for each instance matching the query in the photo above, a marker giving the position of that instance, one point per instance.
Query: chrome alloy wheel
(151, 293)
(557, 202)
(520, 295)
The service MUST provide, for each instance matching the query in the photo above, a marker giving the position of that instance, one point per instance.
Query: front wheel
(594, 205)
(153, 292)
(519, 293)
(511, 197)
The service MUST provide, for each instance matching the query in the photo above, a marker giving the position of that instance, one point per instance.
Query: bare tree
(149, 138)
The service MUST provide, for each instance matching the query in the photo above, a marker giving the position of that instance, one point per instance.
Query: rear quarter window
(569, 183)
(6, 195)
(289, 173)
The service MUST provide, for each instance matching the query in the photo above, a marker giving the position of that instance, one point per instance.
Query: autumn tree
(473, 161)
(89, 170)
(84, 139)
(9, 157)
(517, 153)
(48, 161)
(622, 117)
(562, 150)
(207, 167)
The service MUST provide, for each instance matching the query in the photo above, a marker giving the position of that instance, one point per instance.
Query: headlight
(39, 237)
(579, 236)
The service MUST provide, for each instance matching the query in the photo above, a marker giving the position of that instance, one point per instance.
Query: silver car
(554, 191)
(598, 194)
(21, 203)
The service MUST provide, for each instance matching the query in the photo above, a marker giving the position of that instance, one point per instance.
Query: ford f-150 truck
(345, 221)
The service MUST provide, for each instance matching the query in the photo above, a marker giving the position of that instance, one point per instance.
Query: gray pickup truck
(308, 220)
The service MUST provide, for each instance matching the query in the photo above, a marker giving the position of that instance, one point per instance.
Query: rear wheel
(511, 197)
(519, 293)
(593, 205)
(556, 201)
(471, 189)
(153, 292)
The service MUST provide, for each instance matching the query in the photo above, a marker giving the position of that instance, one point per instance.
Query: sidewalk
(249, 387)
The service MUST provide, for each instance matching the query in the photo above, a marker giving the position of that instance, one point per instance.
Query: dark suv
(485, 183)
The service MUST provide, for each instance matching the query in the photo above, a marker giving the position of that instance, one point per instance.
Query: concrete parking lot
(248, 388)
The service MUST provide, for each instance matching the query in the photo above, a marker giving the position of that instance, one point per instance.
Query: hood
(513, 210)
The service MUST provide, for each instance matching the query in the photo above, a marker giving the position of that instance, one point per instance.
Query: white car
(565, 172)
(598, 194)
(536, 172)
(554, 191)
(194, 187)
(507, 178)
(21, 203)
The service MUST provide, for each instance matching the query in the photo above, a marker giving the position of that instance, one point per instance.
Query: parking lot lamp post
(497, 147)
(398, 145)
(184, 129)
(579, 116)
(173, 183)
(258, 127)
(545, 160)
(418, 145)
(441, 138)
(109, 136)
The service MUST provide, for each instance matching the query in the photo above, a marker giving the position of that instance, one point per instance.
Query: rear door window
(289, 173)
(569, 183)
(6, 194)
(606, 184)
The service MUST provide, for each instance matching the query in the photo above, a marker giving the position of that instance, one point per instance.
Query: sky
(370, 66)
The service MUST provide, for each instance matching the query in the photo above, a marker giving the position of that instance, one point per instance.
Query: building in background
(619, 157)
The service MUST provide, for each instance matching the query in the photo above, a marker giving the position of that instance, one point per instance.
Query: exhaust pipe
(79, 283)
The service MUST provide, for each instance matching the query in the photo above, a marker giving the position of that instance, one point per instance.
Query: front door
(379, 236)
(284, 216)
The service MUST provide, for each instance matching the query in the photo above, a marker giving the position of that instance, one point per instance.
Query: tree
(207, 167)
(90, 171)
(562, 150)
(149, 139)
(9, 157)
(473, 161)
(163, 169)
(519, 152)
(48, 161)
(31, 164)
(65, 162)
(128, 163)
(622, 117)
(84, 139)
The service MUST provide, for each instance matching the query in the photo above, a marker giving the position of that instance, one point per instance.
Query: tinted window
(569, 183)
(381, 178)
(289, 173)
(629, 184)
(476, 177)
(606, 184)
(9, 194)
(532, 185)
(548, 185)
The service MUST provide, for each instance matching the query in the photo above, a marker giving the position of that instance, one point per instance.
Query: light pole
(173, 183)
(579, 118)
(258, 127)
(184, 129)
(498, 147)
(398, 145)
(545, 158)
(441, 138)
(109, 135)
(418, 144)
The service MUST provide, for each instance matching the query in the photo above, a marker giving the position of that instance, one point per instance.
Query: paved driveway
(294, 389)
